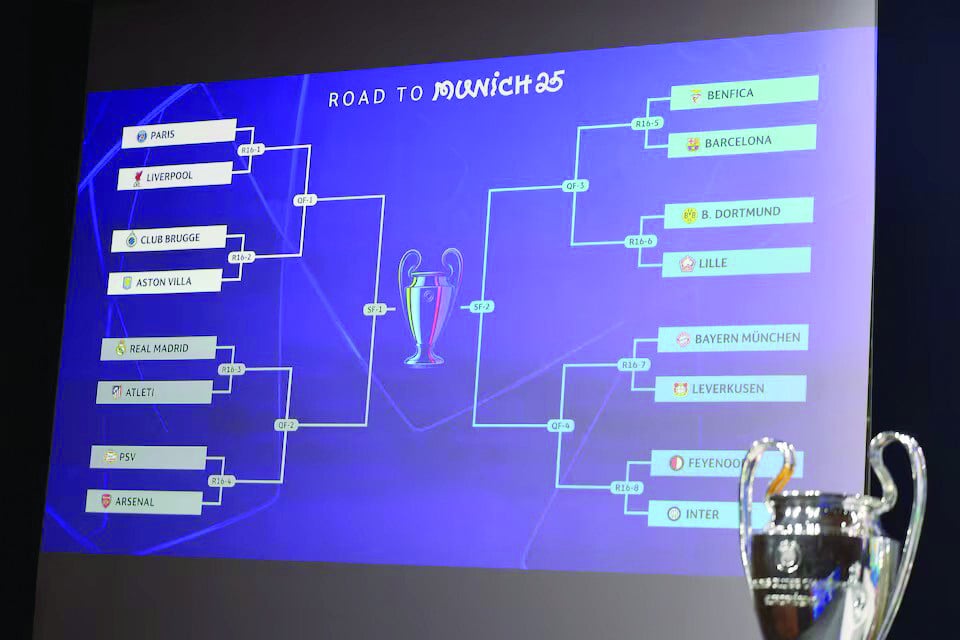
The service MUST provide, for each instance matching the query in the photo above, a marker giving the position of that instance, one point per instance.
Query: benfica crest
(105, 500)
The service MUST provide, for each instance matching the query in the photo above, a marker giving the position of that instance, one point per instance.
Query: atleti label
(166, 348)
(702, 514)
(737, 213)
(169, 239)
(700, 463)
(148, 457)
(747, 337)
(743, 262)
(744, 93)
(154, 391)
(174, 133)
(789, 388)
(178, 503)
(800, 137)
(123, 283)
(175, 175)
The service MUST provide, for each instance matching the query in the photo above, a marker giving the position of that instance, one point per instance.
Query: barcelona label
(700, 463)
(180, 503)
(744, 93)
(800, 137)
(763, 388)
(692, 264)
(737, 213)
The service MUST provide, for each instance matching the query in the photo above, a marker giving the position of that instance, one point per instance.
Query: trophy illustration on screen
(823, 568)
(428, 299)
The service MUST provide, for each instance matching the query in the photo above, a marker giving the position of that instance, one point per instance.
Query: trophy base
(423, 358)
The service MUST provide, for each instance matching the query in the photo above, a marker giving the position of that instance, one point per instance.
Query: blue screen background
(420, 485)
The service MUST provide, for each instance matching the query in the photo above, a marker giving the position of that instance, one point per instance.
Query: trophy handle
(747, 475)
(454, 271)
(918, 469)
(410, 270)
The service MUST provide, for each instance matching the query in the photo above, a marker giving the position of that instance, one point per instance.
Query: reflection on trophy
(428, 300)
(823, 568)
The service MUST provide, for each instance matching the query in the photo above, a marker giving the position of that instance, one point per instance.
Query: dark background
(916, 279)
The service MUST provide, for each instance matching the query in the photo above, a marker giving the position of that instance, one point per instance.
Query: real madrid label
(165, 348)
(702, 514)
(737, 213)
(154, 391)
(174, 175)
(169, 239)
(124, 283)
(176, 133)
(746, 337)
(777, 388)
(744, 93)
(182, 458)
(707, 463)
(741, 262)
(174, 503)
(729, 142)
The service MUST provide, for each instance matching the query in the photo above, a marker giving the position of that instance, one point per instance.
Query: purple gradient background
(420, 486)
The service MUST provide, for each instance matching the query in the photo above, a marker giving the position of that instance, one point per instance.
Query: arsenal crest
(105, 500)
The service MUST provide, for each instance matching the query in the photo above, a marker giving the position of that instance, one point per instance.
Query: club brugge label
(169, 239)
(120, 501)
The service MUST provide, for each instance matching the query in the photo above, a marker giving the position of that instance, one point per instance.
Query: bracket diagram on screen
(675, 221)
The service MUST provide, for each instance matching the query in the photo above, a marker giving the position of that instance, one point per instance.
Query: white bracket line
(646, 133)
(243, 243)
(249, 167)
(233, 354)
(223, 466)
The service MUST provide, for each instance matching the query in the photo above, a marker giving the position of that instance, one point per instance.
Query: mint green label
(729, 142)
(744, 93)
(692, 264)
(747, 337)
(737, 213)
(790, 388)
(703, 514)
(712, 463)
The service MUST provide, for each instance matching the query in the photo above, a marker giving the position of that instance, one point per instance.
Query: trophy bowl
(823, 567)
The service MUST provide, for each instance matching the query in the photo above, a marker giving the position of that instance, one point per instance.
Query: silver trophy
(427, 301)
(823, 568)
